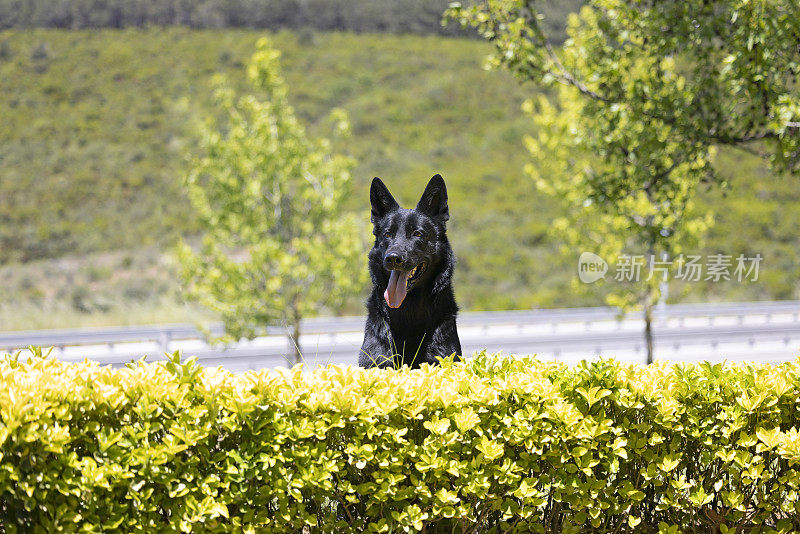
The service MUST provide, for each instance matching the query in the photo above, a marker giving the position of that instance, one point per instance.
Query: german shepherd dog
(411, 312)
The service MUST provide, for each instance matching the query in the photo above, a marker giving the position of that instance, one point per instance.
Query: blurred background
(98, 105)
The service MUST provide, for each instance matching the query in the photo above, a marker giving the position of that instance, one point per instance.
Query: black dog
(411, 313)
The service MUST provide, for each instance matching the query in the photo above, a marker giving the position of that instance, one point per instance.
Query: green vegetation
(101, 289)
(396, 16)
(657, 106)
(514, 444)
(97, 125)
(277, 245)
(359, 16)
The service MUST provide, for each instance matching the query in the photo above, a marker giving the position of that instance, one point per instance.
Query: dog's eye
(417, 233)
(387, 234)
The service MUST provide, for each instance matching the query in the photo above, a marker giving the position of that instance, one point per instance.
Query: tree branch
(568, 78)
(733, 140)
(563, 75)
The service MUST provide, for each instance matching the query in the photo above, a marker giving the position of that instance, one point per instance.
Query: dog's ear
(381, 200)
(434, 200)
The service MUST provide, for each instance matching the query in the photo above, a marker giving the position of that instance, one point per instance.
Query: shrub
(517, 444)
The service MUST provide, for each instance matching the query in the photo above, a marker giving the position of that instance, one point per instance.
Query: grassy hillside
(96, 127)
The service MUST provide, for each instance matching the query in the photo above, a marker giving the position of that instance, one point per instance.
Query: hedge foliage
(509, 443)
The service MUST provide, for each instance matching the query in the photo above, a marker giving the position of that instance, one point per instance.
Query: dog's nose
(393, 261)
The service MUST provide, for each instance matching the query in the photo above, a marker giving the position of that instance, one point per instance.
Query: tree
(641, 227)
(276, 245)
(646, 92)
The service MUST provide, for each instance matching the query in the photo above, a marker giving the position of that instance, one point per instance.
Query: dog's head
(409, 243)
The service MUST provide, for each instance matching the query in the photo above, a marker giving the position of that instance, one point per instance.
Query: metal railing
(554, 331)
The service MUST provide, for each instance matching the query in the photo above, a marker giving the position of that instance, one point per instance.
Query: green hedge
(493, 443)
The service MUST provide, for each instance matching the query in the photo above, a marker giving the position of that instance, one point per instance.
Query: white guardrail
(759, 331)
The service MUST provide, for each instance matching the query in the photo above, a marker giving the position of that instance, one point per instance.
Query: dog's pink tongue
(396, 290)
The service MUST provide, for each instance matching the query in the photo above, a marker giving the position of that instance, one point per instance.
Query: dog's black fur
(422, 326)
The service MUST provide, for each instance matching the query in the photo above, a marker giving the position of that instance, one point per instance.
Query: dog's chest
(412, 328)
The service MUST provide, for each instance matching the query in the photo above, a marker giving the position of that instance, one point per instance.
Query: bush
(516, 444)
